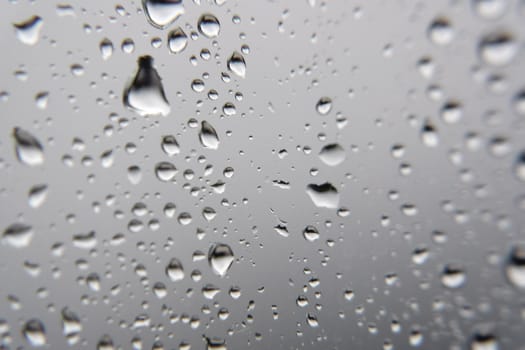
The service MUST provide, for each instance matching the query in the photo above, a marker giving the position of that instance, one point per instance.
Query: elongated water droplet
(175, 270)
(332, 154)
(489, 9)
(170, 146)
(71, 326)
(324, 195)
(35, 333)
(515, 266)
(106, 48)
(209, 25)
(18, 235)
(177, 40)
(28, 31)
(220, 258)
(37, 195)
(208, 136)
(498, 48)
(237, 65)
(28, 149)
(145, 95)
(162, 13)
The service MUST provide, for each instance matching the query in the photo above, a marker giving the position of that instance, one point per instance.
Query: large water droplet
(175, 270)
(220, 258)
(28, 31)
(332, 154)
(161, 13)
(35, 333)
(237, 65)
(515, 266)
(310, 233)
(209, 25)
(169, 145)
(324, 195)
(165, 171)
(208, 136)
(71, 326)
(498, 48)
(145, 95)
(28, 149)
(177, 40)
(18, 235)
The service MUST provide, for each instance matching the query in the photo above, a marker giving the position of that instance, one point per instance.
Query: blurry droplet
(18, 235)
(515, 266)
(106, 48)
(453, 276)
(28, 31)
(37, 195)
(519, 166)
(28, 149)
(324, 195)
(498, 48)
(440, 31)
(35, 333)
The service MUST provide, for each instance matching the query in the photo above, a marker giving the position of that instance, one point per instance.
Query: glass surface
(262, 174)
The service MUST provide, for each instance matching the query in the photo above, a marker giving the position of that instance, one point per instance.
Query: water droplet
(519, 166)
(28, 149)
(515, 266)
(18, 235)
(145, 95)
(215, 344)
(498, 48)
(332, 154)
(71, 326)
(429, 136)
(220, 258)
(35, 333)
(208, 136)
(106, 48)
(42, 99)
(209, 25)
(175, 270)
(105, 343)
(162, 13)
(37, 195)
(452, 112)
(324, 105)
(165, 171)
(310, 233)
(453, 276)
(177, 40)
(324, 195)
(237, 65)
(440, 31)
(28, 31)
(484, 341)
(170, 146)
(489, 9)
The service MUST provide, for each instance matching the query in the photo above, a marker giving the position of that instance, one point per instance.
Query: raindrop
(162, 13)
(332, 154)
(37, 195)
(71, 326)
(440, 31)
(489, 9)
(145, 95)
(453, 276)
(28, 31)
(209, 25)
(515, 266)
(324, 105)
(28, 149)
(174, 270)
(106, 48)
(177, 40)
(165, 171)
(519, 166)
(220, 258)
(208, 136)
(324, 195)
(237, 65)
(169, 145)
(35, 333)
(310, 233)
(429, 135)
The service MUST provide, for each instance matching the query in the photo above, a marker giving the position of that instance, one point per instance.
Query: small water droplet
(170, 146)
(498, 48)
(35, 333)
(484, 341)
(165, 171)
(332, 154)
(18, 235)
(37, 195)
(310, 233)
(175, 270)
(453, 276)
(220, 258)
(324, 105)
(106, 48)
(440, 31)
(429, 135)
(71, 326)
(519, 166)
(515, 266)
